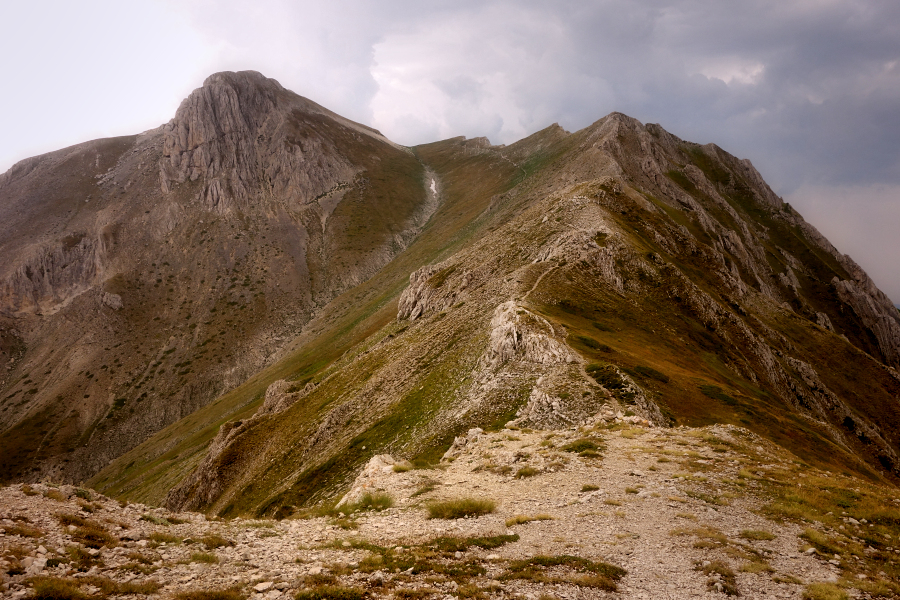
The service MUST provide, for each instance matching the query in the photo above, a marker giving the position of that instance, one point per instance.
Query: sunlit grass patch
(824, 591)
(214, 540)
(204, 557)
(756, 566)
(587, 573)
(228, 594)
(526, 472)
(757, 535)
(460, 507)
(522, 519)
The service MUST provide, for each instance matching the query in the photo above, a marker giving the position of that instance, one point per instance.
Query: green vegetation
(599, 574)
(824, 591)
(526, 472)
(204, 557)
(757, 535)
(330, 592)
(213, 540)
(460, 507)
(522, 519)
(717, 393)
(229, 594)
(371, 501)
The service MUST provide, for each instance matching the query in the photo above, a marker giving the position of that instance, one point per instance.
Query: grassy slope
(468, 182)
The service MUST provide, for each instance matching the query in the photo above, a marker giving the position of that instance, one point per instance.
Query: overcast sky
(807, 90)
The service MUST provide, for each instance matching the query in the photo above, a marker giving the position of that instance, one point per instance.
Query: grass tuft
(460, 507)
(214, 540)
(229, 594)
(757, 535)
(824, 591)
(208, 558)
(526, 472)
(522, 519)
(330, 592)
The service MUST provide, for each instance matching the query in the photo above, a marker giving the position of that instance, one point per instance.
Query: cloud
(862, 221)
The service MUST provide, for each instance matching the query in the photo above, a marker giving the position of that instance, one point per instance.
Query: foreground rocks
(686, 513)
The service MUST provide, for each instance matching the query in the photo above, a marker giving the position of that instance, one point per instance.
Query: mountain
(143, 276)
(236, 312)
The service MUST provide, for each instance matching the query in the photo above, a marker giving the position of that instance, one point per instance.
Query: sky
(808, 90)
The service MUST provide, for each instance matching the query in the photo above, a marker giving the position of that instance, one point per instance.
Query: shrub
(460, 507)
(589, 488)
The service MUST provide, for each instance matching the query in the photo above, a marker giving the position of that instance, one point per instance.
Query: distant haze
(808, 91)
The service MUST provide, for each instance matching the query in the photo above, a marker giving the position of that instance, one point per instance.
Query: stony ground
(682, 511)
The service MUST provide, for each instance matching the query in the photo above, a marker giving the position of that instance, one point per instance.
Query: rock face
(145, 275)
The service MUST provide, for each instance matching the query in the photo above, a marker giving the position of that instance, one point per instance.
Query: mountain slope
(615, 268)
(146, 275)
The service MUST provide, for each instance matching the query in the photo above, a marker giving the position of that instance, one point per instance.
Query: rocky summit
(263, 350)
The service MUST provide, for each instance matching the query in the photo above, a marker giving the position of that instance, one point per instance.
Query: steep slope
(617, 269)
(144, 276)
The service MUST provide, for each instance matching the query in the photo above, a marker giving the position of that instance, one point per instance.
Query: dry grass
(522, 519)
(94, 535)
